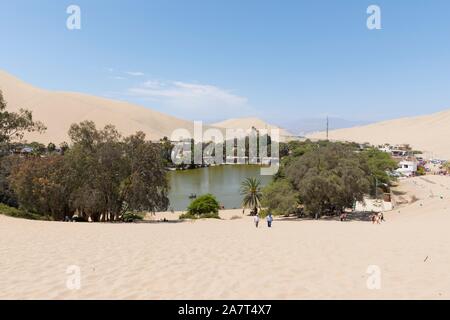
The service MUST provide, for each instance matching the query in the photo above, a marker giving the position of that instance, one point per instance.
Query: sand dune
(231, 259)
(58, 110)
(244, 123)
(249, 123)
(426, 133)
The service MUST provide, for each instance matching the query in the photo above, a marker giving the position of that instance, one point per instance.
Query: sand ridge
(428, 133)
(58, 110)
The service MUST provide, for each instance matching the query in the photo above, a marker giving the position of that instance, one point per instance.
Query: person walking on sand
(374, 218)
(256, 220)
(269, 220)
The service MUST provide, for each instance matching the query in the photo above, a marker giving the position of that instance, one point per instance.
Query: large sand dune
(58, 110)
(425, 133)
(231, 259)
(249, 123)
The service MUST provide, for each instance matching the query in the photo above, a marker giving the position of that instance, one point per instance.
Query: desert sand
(231, 259)
(58, 110)
(249, 123)
(427, 133)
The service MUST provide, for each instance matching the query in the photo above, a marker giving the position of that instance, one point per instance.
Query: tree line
(318, 178)
(100, 177)
(103, 175)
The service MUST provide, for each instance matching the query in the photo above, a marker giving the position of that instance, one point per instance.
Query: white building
(407, 168)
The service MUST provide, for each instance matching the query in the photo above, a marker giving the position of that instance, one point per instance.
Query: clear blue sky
(212, 59)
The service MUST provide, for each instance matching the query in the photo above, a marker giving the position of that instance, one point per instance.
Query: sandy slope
(58, 110)
(426, 133)
(233, 259)
(249, 123)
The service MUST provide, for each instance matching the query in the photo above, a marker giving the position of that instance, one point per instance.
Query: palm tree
(251, 190)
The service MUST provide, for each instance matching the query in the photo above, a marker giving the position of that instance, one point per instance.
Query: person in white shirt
(256, 220)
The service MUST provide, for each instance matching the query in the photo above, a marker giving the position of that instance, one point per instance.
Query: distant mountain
(429, 133)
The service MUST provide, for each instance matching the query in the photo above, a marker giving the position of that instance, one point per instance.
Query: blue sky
(214, 59)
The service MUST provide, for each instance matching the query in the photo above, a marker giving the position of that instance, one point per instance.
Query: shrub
(19, 213)
(421, 171)
(132, 216)
(203, 206)
(188, 216)
(280, 198)
(263, 213)
(185, 216)
(79, 219)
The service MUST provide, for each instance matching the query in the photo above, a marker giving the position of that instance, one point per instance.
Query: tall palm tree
(251, 190)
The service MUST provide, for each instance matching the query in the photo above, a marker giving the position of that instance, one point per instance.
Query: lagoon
(224, 182)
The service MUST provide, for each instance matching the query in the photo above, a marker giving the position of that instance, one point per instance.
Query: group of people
(269, 220)
(378, 218)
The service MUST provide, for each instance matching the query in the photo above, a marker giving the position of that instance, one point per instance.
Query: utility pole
(327, 127)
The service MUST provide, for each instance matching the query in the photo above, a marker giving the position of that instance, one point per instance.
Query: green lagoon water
(222, 181)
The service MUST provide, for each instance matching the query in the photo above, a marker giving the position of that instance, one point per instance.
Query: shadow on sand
(160, 221)
(354, 216)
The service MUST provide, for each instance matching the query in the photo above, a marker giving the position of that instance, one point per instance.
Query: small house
(407, 168)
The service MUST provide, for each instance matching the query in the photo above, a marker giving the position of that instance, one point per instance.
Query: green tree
(251, 190)
(98, 168)
(51, 147)
(379, 163)
(421, 171)
(7, 194)
(38, 148)
(63, 146)
(13, 125)
(99, 177)
(329, 178)
(280, 198)
(284, 150)
(108, 172)
(204, 205)
(38, 183)
(146, 186)
(166, 149)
